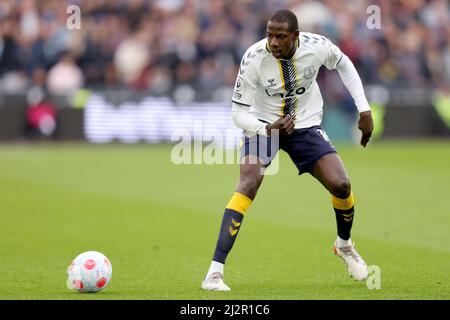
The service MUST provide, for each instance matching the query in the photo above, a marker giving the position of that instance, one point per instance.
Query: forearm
(245, 120)
(352, 81)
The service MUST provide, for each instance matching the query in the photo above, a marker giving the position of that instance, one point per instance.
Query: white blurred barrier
(156, 120)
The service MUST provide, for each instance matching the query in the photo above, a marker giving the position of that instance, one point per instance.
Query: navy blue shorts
(305, 146)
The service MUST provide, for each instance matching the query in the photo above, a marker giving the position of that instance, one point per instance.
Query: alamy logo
(73, 22)
(190, 150)
(374, 279)
(374, 20)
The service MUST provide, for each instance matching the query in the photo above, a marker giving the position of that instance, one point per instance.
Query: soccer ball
(90, 271)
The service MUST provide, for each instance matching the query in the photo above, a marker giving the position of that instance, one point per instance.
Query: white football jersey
(273, 87)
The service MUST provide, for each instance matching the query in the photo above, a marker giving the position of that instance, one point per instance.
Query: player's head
(282, 33)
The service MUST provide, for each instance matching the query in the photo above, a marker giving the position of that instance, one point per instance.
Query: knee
(249, 186)
(341, 189)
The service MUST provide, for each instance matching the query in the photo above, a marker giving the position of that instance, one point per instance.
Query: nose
(273, 43)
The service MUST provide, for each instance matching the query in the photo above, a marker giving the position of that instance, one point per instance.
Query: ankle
(215, 267)
(341, 243)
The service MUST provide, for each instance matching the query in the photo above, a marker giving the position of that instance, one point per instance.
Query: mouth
(276, 53)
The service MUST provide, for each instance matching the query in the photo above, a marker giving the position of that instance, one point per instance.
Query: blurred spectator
(132, 57)
(8, 47)
(65, 77)
(196, 45)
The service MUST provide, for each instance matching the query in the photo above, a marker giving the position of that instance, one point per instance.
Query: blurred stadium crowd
(192, 48)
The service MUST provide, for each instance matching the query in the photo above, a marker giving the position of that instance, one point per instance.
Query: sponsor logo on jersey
(290, 93)
(238, 88)
(271, 82)
(238, 85)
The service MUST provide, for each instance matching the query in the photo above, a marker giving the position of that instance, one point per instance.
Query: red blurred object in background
(42, 116)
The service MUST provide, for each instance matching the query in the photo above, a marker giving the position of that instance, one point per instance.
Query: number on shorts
(323, 134)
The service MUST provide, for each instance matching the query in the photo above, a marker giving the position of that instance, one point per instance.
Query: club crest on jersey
(309, 72)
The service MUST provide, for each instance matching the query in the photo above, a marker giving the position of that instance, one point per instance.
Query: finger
(365, 140)
(287, 119)
(289, 124)
(292, 128)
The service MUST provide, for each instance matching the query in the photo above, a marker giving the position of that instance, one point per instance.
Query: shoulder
(313, 41)
(321, 47)
(255, 54)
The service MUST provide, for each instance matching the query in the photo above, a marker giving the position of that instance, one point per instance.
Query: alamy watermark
(198, 145)
(73, 21)
(374, 19)
(374, 279)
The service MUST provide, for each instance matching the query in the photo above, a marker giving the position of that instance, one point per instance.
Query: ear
(296, 41)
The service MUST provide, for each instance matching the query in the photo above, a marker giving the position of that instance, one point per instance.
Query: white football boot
(214, 282)
(356, 266)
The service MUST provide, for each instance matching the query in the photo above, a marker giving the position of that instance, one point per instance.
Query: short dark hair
(285, 16)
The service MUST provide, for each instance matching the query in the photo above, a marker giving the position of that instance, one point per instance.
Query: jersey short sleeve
(330, 54)
(246, 82)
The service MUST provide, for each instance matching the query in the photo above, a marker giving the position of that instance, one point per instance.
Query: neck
(291, 53)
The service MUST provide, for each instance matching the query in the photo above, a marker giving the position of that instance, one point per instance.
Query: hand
(365, 124)
(284, 124)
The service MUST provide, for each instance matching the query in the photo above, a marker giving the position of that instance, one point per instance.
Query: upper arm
(330, 54)
(246, 82)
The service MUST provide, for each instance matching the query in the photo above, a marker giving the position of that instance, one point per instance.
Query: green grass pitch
(158, 224)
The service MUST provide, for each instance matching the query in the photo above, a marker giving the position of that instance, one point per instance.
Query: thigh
(260, 148)
(256, 154)
(306, 146)
(329, 170)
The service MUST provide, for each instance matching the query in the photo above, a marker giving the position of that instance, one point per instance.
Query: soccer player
(276, 88)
